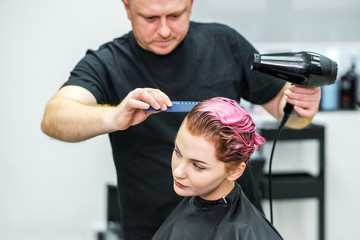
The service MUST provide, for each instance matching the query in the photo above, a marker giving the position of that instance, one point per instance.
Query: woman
(212, 147)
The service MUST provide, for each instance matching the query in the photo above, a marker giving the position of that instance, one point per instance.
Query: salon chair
(113, 224)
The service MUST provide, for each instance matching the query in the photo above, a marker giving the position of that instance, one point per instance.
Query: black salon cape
(232, 218)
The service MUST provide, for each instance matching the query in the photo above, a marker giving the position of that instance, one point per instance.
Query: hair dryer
(301, 68)
(306, 69)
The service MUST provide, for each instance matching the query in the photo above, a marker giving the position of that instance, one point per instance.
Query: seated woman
(212, 147)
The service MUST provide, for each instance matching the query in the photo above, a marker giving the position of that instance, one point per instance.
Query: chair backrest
(112, 208)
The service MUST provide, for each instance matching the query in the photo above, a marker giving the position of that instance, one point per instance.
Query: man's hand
(305, 100)
(131, 110)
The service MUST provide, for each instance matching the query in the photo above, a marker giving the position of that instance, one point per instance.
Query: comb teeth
(178, 106)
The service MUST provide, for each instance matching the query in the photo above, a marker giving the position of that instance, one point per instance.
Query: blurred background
(55, 190)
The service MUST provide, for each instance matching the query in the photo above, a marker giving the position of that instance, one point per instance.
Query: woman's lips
(179, 184)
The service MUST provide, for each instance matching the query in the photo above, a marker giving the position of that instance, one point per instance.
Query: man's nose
(164, 28)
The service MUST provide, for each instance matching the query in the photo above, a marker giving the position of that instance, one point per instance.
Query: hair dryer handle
(288, 110)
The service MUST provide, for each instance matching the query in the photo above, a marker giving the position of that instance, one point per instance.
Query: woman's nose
(180, 170)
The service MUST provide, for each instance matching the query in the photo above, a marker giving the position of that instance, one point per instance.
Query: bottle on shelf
(348, 88)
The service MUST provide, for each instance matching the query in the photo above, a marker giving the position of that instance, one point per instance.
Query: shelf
(293, 185)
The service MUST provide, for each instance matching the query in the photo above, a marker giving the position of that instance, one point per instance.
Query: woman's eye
(177, 153)
(198, 167)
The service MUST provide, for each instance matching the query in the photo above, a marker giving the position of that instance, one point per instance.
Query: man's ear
(237, 172)
(127, 9)
(191, 4)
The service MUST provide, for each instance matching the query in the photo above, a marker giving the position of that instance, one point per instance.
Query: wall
(49, 189)
(55, 190)
(286, 20)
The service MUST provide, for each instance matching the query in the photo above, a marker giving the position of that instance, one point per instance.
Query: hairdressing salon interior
(55, 190)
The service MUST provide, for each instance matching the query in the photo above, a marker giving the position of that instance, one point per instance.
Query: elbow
(45, 128)
(52, 128)
(48, 124)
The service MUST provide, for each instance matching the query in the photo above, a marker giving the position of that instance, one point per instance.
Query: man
(164, 57)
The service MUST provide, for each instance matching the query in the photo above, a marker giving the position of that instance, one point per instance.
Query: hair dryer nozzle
(301, 68)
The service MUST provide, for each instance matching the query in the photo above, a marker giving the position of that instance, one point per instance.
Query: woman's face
(195, 168)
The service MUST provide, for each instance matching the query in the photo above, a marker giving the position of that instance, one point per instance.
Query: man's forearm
(72, 121)
(297, 122)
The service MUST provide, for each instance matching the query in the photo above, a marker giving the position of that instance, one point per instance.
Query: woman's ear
(237, 172)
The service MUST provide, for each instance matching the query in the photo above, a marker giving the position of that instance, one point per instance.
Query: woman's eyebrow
(199, 161)
(191, 159)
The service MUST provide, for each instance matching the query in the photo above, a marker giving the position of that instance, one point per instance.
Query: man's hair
(223, 122)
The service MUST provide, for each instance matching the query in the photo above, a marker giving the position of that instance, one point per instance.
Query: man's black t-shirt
(213, 60)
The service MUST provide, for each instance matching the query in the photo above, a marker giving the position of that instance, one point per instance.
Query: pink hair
(222, 121)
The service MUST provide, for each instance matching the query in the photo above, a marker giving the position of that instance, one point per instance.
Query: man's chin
(162, 51)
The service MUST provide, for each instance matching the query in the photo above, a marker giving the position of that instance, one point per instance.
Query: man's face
(196, 169)
(159, 25)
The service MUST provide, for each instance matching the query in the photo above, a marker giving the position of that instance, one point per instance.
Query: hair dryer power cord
(287, 111)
